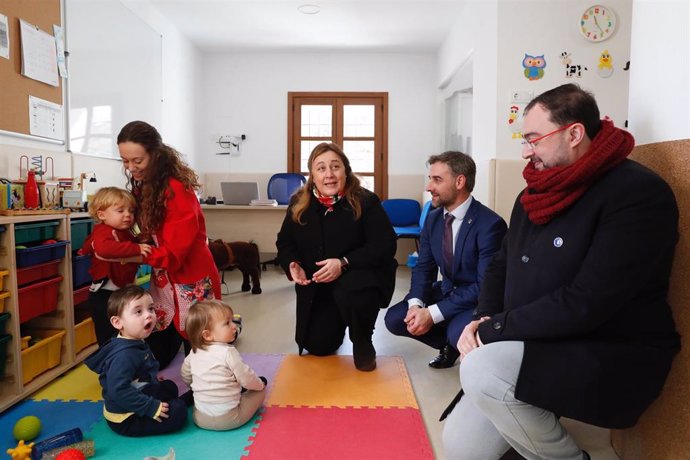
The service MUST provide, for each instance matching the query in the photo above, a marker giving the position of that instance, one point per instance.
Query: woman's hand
(330, 270)
(298, 275)
(469, 339)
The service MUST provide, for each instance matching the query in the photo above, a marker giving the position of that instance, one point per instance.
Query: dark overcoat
(368, 243)
(586, 292)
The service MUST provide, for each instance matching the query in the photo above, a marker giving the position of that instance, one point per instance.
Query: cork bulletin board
(16, 88)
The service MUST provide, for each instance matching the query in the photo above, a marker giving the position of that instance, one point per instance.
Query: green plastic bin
(35, 232)
(4, 341)
(79, 230)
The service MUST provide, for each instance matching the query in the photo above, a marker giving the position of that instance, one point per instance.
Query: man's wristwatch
(344, 264)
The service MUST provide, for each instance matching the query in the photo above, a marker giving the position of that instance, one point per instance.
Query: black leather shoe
(446, 358)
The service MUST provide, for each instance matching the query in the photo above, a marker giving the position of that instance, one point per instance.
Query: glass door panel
(317, 120)
(358, 121)
(361, 155)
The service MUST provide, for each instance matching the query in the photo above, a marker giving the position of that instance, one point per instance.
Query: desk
(260, 224)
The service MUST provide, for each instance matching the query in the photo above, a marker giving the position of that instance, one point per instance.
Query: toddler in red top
(109, 245)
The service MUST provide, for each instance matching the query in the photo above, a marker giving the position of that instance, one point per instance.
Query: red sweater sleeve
(179, 230)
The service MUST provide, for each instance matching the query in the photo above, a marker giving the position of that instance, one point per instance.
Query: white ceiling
(341, 25)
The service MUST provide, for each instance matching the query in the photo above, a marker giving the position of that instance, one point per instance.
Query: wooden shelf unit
(12, 389)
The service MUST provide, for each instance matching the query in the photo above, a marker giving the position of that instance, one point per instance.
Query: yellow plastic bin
(3, 274)
(3, 295)
(43, 355)
(84, 334)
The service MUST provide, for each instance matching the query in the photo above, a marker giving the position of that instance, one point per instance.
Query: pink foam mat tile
(373, 433)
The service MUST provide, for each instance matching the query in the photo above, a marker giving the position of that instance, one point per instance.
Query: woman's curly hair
(153, 191)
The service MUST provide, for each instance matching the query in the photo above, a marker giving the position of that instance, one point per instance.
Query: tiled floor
(269, 324)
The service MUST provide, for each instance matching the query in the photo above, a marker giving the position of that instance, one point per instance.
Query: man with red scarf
(572, 318)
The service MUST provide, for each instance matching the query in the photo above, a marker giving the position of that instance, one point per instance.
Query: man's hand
(330, 270)
(298, 275)
(469, 339)
(418, 321)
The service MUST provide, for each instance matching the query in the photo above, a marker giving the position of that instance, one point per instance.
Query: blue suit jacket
(478, 238)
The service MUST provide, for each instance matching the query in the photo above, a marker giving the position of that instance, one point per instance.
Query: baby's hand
(145, 249)
(164, 412)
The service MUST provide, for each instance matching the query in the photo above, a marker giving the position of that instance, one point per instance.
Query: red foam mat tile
(341, 433)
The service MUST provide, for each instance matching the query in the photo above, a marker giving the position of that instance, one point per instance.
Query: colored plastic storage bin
(37, 272)
(3, 322)
(42, 355)
(41, 253)
(81, 295)
(25, 342)
(3, 274)
(84, 335)
(35, 232)
(38, 298)
(3, 295)
(4, 341)
(80, 270)
(79, 230)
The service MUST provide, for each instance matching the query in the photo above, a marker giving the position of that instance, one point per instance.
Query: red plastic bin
(38, 298)
(37, 272)
(81, 295)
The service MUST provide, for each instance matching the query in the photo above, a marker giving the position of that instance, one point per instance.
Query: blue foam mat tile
(56, 417)
(189, 443)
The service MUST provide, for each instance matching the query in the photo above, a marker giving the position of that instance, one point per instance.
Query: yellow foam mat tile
(79, 384)
(333, 381)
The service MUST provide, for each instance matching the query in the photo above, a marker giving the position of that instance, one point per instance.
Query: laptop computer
(241, 193)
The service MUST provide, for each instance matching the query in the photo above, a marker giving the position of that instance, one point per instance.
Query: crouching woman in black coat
(338, 246)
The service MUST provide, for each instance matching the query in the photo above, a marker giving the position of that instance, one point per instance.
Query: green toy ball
(27, 428)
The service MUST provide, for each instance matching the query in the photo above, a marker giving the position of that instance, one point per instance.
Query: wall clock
(597, 23)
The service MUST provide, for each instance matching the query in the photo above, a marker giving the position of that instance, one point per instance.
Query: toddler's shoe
(237, 319)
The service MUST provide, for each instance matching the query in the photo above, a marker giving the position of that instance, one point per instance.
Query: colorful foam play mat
(316, 408)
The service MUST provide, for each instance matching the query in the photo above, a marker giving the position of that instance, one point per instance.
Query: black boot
(365, 356)
(446, 358)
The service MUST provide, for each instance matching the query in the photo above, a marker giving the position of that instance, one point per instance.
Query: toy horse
(239, 254)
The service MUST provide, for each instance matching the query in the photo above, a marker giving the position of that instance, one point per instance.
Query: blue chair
(407, 217)
(281, 186)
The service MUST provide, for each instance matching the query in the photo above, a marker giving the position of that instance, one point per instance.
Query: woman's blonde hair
(352, 189)
(110, 196)
(200, 317)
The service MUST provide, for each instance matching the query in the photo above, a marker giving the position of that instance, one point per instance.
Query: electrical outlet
(521, 96)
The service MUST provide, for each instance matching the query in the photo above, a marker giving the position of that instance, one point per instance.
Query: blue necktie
(447, 245)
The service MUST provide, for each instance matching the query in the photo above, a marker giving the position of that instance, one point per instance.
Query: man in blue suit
(435, 312)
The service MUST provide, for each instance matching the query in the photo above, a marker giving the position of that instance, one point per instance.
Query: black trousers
(166, 344)
(98, 304)
(331, 314)
(136, 426)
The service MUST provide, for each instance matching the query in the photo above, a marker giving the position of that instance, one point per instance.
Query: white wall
(182, 75)
(247, 94)
(492, 38)
(468, 57)
(660, 75)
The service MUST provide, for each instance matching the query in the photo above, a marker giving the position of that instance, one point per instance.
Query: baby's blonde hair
(110, 196)
(200, 317)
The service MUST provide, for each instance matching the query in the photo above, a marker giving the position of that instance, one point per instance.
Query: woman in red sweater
(169, 217)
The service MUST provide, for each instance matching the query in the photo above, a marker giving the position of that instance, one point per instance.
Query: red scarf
(553, 190)
(327, 200)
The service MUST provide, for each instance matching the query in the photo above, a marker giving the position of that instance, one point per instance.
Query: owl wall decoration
(534, 66)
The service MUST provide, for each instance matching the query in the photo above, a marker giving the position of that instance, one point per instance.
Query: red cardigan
(107, 246)
(182, 244)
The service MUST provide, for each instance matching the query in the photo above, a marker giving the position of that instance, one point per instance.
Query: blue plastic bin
(41, 253)
(80, 270)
